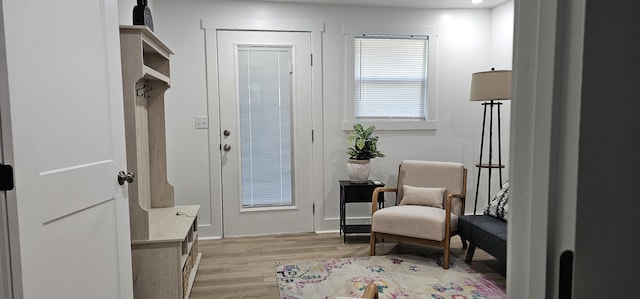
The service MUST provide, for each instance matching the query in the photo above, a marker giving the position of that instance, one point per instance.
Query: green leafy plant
(364, 143)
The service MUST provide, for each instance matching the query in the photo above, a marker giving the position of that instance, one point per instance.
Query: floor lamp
(490, 88)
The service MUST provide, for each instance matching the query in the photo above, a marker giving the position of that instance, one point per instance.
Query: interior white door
(67, 145)
(266, 143)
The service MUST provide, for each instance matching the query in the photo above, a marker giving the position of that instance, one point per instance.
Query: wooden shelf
(149, 37)
(169, 224)
(151, 74)
(185, 255)
(192, 276)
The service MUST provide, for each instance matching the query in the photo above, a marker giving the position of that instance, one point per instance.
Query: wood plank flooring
(244, 267)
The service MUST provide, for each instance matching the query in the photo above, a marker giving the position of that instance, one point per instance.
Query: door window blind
(264, 85)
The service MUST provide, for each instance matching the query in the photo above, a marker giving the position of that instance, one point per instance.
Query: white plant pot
(358, 170)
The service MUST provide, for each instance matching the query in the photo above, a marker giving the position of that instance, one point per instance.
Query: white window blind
(264, 85)
(390, 77)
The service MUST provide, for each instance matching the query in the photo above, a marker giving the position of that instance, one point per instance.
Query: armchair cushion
(412, 221)
(422, 196)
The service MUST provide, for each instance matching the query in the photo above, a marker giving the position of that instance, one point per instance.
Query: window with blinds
(390, 77)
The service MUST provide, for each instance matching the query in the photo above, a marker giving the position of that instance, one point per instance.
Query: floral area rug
(397, 276)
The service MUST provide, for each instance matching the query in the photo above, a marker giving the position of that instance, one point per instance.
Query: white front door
(265, 118)
(65, 137)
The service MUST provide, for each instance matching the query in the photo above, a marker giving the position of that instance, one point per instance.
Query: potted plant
(364, 148)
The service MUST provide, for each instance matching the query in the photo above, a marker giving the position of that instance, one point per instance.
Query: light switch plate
(202, 122)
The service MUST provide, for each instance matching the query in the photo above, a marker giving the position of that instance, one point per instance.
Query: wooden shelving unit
(164, 237)
(165, 265)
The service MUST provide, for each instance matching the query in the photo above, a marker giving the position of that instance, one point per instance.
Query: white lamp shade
(491, 85)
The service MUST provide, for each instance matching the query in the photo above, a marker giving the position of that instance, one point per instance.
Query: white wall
(502, 59)
(502, 36)
(466, 44)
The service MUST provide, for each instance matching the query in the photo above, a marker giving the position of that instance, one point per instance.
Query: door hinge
(312, 136)
(311, 59)
(6, 177)
(313, 208)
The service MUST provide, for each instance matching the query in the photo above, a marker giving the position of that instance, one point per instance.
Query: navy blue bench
(486, 232)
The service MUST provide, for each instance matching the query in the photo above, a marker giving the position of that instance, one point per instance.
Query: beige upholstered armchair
(429, 198)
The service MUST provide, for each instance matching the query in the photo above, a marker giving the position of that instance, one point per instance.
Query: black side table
(356, 192)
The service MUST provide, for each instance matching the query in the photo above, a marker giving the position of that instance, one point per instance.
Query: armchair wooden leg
(445, 262)
(372, 244)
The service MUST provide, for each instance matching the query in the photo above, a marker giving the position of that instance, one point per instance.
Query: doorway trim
(548, 44)
(10, 271)
(210, 28)
(6, 281)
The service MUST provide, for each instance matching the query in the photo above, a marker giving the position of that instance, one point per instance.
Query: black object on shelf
(142, 15)
(356, 192)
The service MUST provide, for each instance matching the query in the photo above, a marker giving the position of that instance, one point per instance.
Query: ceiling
(403, 3)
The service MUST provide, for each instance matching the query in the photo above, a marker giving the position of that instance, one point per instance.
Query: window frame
(430, 122)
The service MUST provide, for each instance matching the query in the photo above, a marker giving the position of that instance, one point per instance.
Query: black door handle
(6, 177)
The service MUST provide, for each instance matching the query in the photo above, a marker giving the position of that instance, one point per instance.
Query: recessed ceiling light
(476, 1)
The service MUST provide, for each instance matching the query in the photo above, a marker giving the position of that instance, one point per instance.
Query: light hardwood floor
(244, 267)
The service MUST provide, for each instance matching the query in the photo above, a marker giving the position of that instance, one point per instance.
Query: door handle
(126, 177)
(6, 177)
(226, 147)
(226, 132)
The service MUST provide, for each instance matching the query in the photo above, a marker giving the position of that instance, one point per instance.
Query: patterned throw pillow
(499, 205)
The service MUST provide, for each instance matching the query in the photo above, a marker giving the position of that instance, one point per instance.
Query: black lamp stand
(489, 165)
